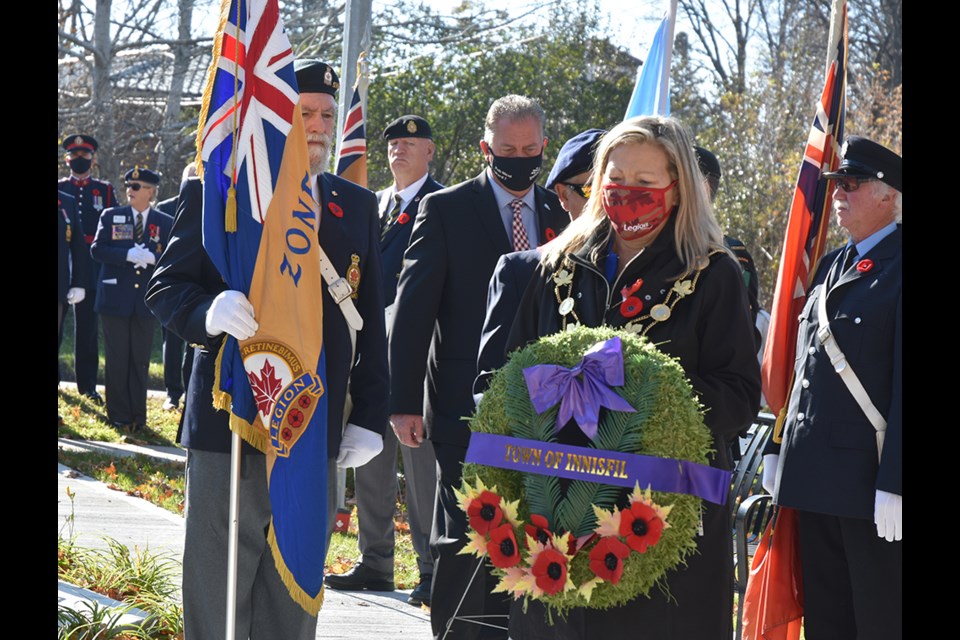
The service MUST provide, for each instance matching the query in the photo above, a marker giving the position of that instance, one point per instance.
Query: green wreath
(544, 522)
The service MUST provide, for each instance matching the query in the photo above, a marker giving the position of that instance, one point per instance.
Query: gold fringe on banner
(310, 604)
(253, 433)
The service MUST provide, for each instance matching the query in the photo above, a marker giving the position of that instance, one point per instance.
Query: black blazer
(434, 334)
(186, 282)
(829, 452)
(510, 279)
(394, 244)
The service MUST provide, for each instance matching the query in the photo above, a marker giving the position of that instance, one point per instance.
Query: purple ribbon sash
(600, 466)
(581, 390)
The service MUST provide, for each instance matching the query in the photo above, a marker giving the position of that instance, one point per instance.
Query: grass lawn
(162, 483)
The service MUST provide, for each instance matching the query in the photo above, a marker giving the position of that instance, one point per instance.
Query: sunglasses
(851, 183)
(582, 190)
(133, 186)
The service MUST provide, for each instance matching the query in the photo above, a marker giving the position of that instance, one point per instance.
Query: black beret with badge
(863, 158)
(79, 142)
(314, 76)
(408, 126)
(143, 175)
(575, 157)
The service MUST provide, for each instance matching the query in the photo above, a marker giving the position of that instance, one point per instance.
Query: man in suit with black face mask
(458, 236)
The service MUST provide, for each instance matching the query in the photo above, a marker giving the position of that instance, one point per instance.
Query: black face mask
(80, 165)
(516, 174)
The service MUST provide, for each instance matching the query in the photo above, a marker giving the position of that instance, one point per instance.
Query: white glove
(231, 313)
(770, 463)
(147, 256)
(134, 255)
(358, 446)
(76, 294)
(888, 516)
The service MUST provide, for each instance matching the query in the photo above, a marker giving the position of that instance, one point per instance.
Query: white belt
(842, 367)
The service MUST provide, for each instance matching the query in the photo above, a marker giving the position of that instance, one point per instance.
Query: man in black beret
(128, 242)
(410, 149)
(840, 462)
(91, 196)
(190, 298)
(571, 173)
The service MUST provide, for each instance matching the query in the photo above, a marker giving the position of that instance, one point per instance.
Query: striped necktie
(137, 226)
(520, 240)
(391, 218)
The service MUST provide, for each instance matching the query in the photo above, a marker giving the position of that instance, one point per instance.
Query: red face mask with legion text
(635, 211)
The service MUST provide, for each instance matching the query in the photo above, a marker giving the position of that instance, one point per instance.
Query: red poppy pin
(631, 289)
(549, 234)
(865, 265)
(403, 218)
(96, 192)
(631, 306)
(335, 209)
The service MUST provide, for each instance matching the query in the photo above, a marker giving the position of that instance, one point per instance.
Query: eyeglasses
(133, 186)
(851, 183)
(582, 190)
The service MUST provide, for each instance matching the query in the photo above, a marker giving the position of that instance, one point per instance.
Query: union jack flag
(253, 94)
(803, 244)
(352, 156)
(260, 225)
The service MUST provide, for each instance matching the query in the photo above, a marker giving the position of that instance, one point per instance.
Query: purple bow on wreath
(582, 389)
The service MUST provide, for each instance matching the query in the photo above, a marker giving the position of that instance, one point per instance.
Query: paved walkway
(97, 511)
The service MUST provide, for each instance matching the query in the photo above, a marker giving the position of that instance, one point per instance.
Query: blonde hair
(697, 232)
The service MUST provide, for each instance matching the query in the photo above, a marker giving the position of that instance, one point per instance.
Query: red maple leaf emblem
(265, 387)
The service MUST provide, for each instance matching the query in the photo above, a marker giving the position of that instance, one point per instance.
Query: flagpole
(236, 449)
(664, 96)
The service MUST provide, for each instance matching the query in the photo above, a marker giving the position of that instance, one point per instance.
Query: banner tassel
(230, 215)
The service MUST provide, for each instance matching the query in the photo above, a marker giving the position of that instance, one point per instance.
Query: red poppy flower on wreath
(484, 512)
(503, 548)
(295, 418)
(550, 570)
(304, 401)
(865, 265)
(631, 307)
(641, 526)
(335, 209)
(549, 234)
(403, 218)
(538, 529)
(606, 559)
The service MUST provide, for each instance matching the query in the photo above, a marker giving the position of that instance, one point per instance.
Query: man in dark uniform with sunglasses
(840, 461)
(91, 196)
(128, 243)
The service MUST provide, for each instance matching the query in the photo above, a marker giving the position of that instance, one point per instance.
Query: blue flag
(651, 95)
(260, 224)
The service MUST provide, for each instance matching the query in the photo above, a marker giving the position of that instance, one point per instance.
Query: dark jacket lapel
(487, 211)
